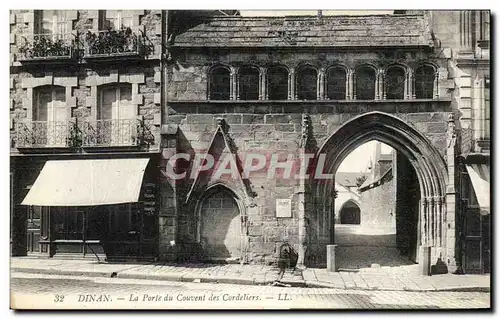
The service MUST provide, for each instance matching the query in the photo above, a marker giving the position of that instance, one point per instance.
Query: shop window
(336, 83)
(277, 83)
(395, 83)
(124, 223)
(220, 81)
(249, 83)
(67, 223)
(307, 83)
(365, 83)
(424, 82)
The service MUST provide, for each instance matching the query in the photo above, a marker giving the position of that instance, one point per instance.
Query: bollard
(330, 258)
(425, 260)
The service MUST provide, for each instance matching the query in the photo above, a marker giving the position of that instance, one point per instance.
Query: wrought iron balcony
(78, 134)
(47, 47)
(112, 44)
(38, 134)
(110, 133)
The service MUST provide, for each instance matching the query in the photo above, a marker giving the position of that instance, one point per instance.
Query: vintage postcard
(232, 159)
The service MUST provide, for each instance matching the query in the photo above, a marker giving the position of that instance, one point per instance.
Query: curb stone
(180, 277)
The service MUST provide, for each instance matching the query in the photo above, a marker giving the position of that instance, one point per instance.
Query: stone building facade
(85, 85)
(229, 86)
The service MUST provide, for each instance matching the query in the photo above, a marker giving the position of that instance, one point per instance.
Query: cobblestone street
(63, 292)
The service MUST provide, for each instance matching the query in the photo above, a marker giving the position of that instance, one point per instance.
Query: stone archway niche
(430, 168)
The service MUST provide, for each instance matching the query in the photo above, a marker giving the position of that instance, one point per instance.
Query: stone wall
(378, 209)
(275, 127)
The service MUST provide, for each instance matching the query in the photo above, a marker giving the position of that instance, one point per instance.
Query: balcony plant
(111, 42)
(43, 46)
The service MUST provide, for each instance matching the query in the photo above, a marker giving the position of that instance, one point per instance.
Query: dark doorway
(350, 214)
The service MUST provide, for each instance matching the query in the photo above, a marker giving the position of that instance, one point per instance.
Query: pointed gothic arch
(233, 224)
(429, 165)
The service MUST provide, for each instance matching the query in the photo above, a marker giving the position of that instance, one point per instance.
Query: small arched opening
(350, 213)
(307, 83)
(365, 83)
(219, 83)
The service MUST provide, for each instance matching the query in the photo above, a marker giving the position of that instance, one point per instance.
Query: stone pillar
(425, 219)
(302, 195)
(321, 85)
(449, 211)
(409, 85)
(350, 85)
(168, 210)
(432, 226)
(379, 85)
(425, 260)
(467, 35)
(291, 85)
(330, 258)
(353, 85)
(412, 84)
(302, 233)
(262, 84)
(234, 84)
(435, 92)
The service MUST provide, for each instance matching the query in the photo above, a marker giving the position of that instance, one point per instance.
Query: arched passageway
(350, 213)
(430, 172)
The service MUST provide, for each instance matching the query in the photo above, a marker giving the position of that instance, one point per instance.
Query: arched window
(249, 83)
(365, 83)
(307, 83)
(424, 82)
(277, 83)
(350, 213)
(395, 83)
(219, 83)
(336, 83)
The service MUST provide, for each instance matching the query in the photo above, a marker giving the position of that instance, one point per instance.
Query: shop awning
(480, 178)
(88, 182)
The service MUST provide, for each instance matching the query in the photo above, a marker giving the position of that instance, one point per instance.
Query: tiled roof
(328, 31)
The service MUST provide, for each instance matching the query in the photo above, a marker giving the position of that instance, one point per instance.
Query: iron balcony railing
(42, 134)
(111, 43)
(39, 47)
(75, 134)
(110, 133)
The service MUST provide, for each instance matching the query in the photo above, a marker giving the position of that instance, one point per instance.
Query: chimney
(320, 14)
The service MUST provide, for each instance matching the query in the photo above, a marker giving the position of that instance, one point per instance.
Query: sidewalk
(385, 278)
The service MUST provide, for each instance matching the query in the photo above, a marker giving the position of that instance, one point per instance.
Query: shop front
(94, 208)
(475, 235)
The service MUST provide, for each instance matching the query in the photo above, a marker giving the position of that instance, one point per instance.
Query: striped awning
(88, 182)
(480, 178)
